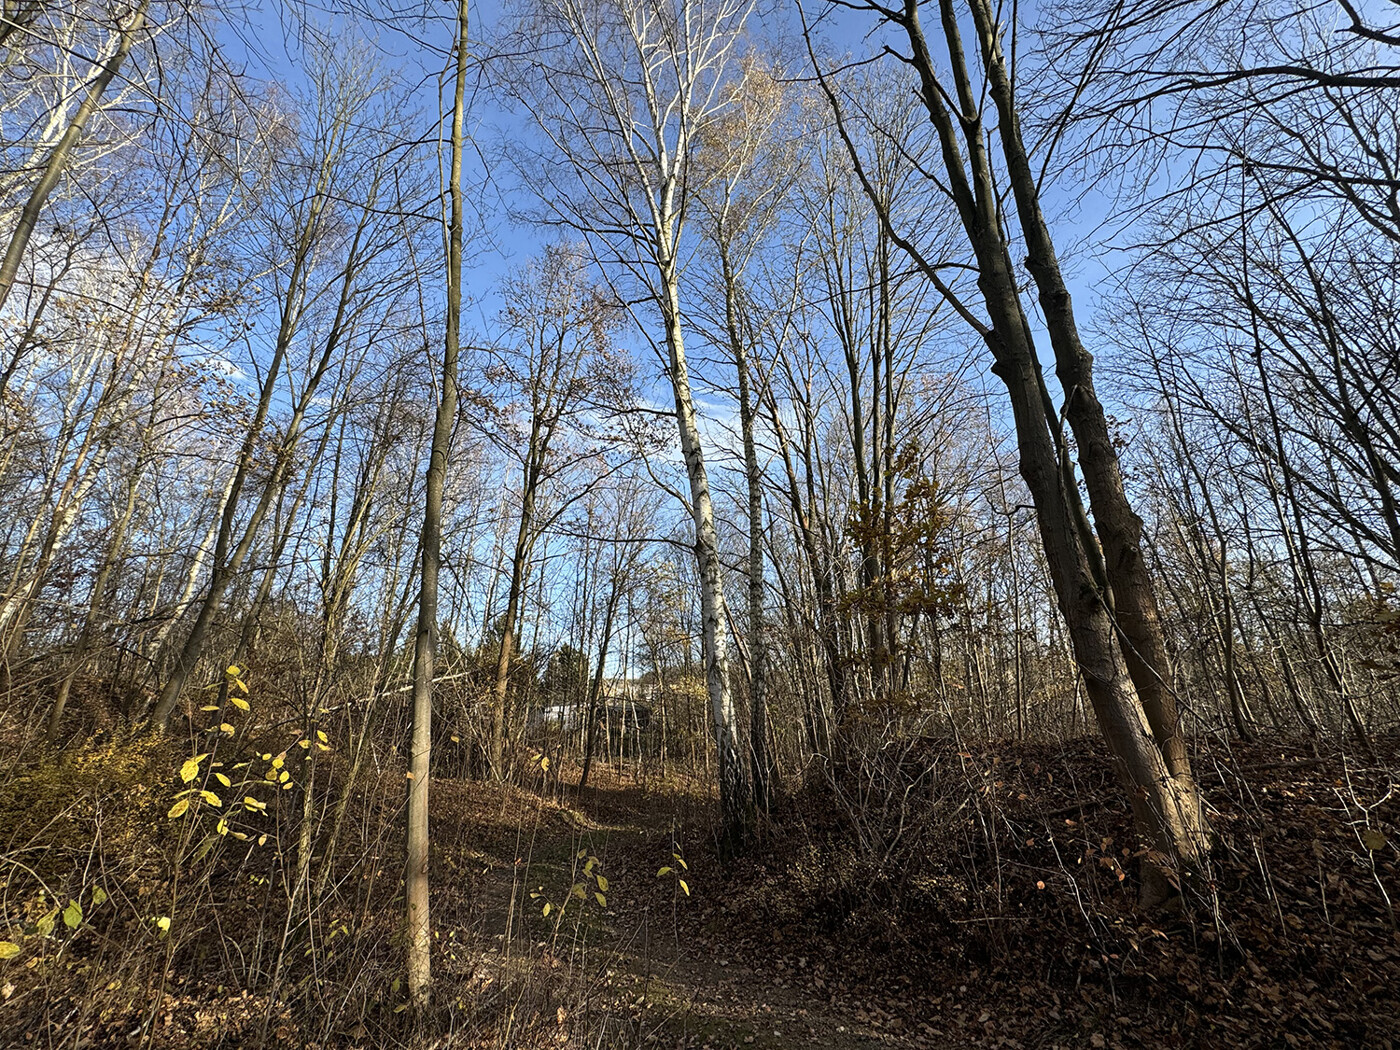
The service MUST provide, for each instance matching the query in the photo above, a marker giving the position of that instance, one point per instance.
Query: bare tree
(1105, 591)
(622, 92)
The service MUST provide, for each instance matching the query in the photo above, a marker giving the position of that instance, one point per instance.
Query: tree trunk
(419, 935)
(58, 156)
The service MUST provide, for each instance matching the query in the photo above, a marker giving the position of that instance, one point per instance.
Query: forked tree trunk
(1106, 596)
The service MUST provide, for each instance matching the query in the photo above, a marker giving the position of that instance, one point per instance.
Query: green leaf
(73, 915)
(603, 883)
(601, 899)
(99, 895)
(1373, 839)
(178, 810)
(8, 949)
(667, 870)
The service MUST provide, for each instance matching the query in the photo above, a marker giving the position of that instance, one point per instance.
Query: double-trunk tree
(1101, 578)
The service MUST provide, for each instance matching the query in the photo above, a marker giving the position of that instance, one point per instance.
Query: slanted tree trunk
(1105, 595)
(57, 161)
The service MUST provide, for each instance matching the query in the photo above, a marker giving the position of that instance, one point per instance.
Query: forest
(699, 523)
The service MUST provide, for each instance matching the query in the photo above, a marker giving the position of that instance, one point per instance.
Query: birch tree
(622, 93)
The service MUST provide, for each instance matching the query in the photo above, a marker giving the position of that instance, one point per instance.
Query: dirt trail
(638, 968)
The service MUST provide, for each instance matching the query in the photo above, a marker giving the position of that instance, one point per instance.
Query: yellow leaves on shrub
(190, 769)
(179, 809)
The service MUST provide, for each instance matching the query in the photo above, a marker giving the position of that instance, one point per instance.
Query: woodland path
(655, 967)
(797, 948)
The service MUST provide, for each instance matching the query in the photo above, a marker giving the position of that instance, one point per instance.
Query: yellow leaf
(233, 669)
(222, 826)
(8, 949)
(547, 909)
(321, 735)
(684, 886)
(240, 703)
(73, 915)
(211, 798)
(225, 781)
(601, 899)
(228, 729)
(240, 683)
(664, 871)
(99, 895)
(163, 924)
(189, 770)
(603, 883)
(178, 810)
(210, 707)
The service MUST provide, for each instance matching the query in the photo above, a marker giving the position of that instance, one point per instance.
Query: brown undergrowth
(930, 894)
(987, 894)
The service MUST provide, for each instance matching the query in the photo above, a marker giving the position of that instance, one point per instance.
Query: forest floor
(922, 894)
(942, 896)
